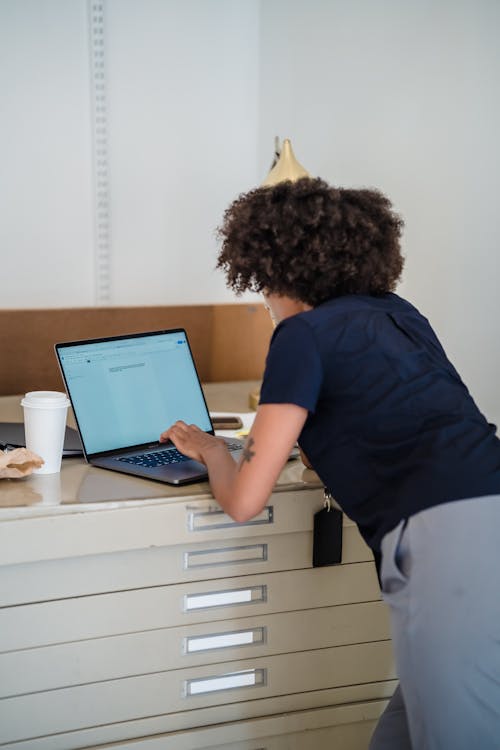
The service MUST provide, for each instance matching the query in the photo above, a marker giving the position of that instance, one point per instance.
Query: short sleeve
(293, 373)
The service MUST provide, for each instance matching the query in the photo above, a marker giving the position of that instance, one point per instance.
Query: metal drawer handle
(232, 681)
(225, 598)
(217, 519)
(214, 641)
(225, 556)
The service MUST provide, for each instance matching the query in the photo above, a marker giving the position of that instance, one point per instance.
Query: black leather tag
(327, 537)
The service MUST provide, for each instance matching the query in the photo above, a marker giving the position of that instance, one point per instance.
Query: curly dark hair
(311, 242)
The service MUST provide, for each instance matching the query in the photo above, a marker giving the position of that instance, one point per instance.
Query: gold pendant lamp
(286, 167)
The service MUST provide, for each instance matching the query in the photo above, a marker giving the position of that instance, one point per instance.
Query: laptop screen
(126, 391)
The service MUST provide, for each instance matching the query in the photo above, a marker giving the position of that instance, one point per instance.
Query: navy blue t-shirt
(391, 428)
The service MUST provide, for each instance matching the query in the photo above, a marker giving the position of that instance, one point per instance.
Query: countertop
(79, 487)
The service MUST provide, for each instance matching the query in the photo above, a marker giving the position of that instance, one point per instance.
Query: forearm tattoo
(248, 453)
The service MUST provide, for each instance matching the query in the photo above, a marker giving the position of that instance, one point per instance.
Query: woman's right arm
(243, 489)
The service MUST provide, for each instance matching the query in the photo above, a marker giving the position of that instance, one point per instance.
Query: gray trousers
(441, 579)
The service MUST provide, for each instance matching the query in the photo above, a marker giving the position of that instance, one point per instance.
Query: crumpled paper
(18, 463)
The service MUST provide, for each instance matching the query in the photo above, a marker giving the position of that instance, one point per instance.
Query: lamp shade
(286, 168)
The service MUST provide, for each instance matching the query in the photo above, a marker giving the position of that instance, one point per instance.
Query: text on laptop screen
(128, 391)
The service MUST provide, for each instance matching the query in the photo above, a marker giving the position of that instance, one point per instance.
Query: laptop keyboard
(164, 458)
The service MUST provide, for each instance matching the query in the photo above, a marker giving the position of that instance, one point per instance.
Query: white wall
(405, 96)
(46, 231)
(183, 130)
(395, 94)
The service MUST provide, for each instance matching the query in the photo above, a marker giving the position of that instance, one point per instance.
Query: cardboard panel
(240, 343)
(229, 342)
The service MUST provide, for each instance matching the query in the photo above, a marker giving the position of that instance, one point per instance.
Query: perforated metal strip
(100, 151)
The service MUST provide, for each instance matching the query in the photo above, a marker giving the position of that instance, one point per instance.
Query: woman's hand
(192, 441)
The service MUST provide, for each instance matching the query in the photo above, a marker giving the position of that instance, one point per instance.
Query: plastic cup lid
(45, 399)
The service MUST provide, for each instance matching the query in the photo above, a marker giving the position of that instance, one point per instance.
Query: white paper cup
(44, 426)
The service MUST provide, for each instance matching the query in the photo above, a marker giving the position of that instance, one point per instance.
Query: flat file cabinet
(138, 616)
(210, 624)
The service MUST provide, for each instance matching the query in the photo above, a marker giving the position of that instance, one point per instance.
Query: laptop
(12, 436)
(125, 391)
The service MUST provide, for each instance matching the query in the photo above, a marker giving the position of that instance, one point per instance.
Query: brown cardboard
(229, 342)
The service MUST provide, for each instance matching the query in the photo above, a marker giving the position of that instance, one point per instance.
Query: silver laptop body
(125, 391)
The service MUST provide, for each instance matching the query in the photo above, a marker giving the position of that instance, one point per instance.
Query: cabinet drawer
(78, 663)
(189, 689)
(156, 566)
(346, 727)
(286, 513)
(32, 625)
(182, 724)
(355, 736)
(139, 526)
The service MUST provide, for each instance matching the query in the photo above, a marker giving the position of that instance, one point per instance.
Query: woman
(358, 377)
